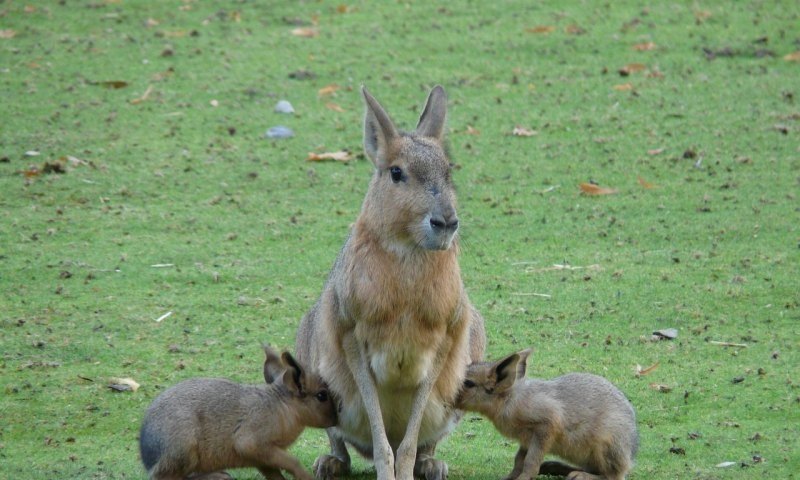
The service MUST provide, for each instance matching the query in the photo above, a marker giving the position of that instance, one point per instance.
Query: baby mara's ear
(505, 372)
(273, 365)
(294, 378)
(522, 366)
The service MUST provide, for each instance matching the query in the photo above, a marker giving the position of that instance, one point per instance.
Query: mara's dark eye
(322, 396)
(469, 384)
(396, 173)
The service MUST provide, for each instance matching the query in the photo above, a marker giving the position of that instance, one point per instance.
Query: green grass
(251, 229)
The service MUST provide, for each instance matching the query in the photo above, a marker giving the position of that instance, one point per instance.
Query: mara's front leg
(382, 454)
(407, 452)
(540, 442)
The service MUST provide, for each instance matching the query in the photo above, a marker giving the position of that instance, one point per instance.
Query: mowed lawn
(621, 167)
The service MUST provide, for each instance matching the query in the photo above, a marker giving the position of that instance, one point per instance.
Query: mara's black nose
(442, 223)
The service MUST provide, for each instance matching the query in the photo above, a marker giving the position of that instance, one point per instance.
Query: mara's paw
(329, 467)
(579, 475)
(430, 468)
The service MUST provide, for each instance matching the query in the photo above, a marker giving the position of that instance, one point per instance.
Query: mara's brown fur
(393, 331)
(580, 417)
(205, 425)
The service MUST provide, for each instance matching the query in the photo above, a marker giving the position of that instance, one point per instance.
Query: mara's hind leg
(271, 473)
(557, 469)
(337, 463)
(428, 467)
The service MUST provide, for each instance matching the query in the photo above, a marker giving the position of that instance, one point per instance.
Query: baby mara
(204, 425)
(580, 417)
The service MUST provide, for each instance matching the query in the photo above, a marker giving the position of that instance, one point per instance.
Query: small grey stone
(284, 106)
(279, 131)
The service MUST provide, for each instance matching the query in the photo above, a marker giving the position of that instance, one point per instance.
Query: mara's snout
(440, 230)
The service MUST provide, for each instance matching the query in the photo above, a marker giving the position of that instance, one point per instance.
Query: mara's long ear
(522, 366)
(273, 365)
(432, 121)
(505, 372)
(294, 378)
(379, 130)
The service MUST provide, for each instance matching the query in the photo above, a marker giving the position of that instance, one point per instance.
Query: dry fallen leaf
(31, 172)
(640, 372)
(523, 132)
(623, 87)
(143, 97)
(115, 84)
(792, 57)
(306, 32)
(655, 151)
(661, 387)
(592, 189)
(643, 47)
(702, 15)
(574, 29)
(541, 29)
(334, 106)
(472, 130)
(340, 156)
(665, 334)
(123, 384)
(632, 68)
(644, 183)
(328, 90)
(7, 33)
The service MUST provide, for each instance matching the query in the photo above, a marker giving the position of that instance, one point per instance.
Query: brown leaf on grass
(340, 156)
(701, 16)
(665, 334)
(624, 87)
(656, 151)
(472, 130)
(574, 29)
(177, 34)
(328, 90)
(151, 22)
(523, 132)
(31, 172)
(541, 29)
(631, 68)
(644, 183)
(592, 189)
(334, 106)
(305, 32)
(123, 384)
(54, 167)
(660, 387)
(161, 76)
(640, 372)
(792, 57)
(643, 47)
(8, 33)
(115, 84)
(144, 96)
(342, 8)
